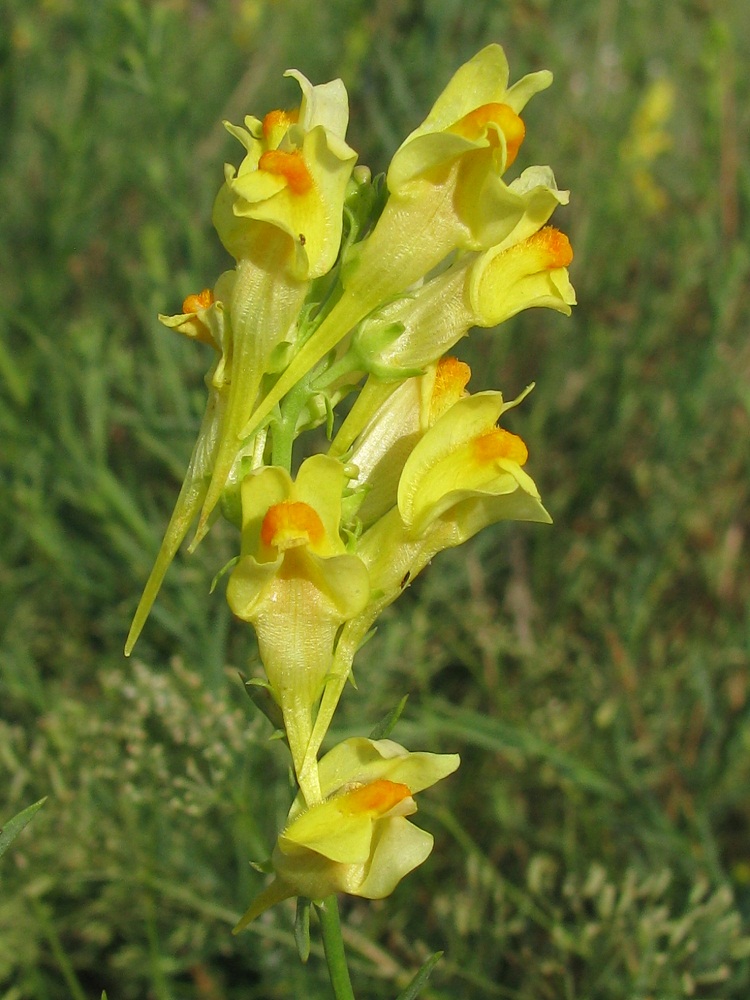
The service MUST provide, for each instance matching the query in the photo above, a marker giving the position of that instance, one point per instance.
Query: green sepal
(363, 206)
(260, 694)
(302, 929)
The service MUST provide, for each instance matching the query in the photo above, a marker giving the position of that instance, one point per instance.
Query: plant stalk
(333, 945)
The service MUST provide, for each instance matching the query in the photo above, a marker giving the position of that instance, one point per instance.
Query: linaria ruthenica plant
(348, 287)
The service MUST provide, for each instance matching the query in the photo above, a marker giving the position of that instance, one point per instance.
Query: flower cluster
(349, 286)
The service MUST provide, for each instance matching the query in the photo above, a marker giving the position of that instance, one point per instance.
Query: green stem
(66, 968)
(333, 945)
(283, 432)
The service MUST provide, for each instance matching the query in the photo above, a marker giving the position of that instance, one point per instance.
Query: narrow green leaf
(493, 734)
(13, 827)
(384, 728)
(412, 990)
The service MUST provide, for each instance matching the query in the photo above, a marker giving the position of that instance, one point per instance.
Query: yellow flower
(464, 456)
(203, 318)
(297, 585)
(648, 138)
(523, 275)
(293, 178)
(477, 112)
(446, 192)
(280, 215)
(479, 290)
(357, 838)
(456, 472)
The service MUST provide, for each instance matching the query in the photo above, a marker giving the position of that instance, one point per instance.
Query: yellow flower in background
(357, 839)
(296, 584)
(293, 178)
(649, 138)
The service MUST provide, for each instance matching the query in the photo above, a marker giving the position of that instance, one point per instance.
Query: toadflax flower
(445, 192)
(482, 290)
(434, 468)
(280, 215)
(296, 584)
(293, 179)
(357, 839)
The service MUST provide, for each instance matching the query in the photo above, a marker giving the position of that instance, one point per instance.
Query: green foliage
(13, 827)
(593, 675)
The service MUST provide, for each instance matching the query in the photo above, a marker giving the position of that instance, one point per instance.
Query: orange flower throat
(289, 524)
(194, 303)
(376, 798)
(510, 124)
(290, 166)
(499, 443)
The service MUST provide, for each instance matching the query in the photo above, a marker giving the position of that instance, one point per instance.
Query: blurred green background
(595, 843)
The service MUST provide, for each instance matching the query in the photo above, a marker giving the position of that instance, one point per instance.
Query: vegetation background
(593, 675)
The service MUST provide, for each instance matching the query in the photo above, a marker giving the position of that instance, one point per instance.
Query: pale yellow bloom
(296, 584)
(293, 179)
(446, 192)
(357, 838)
